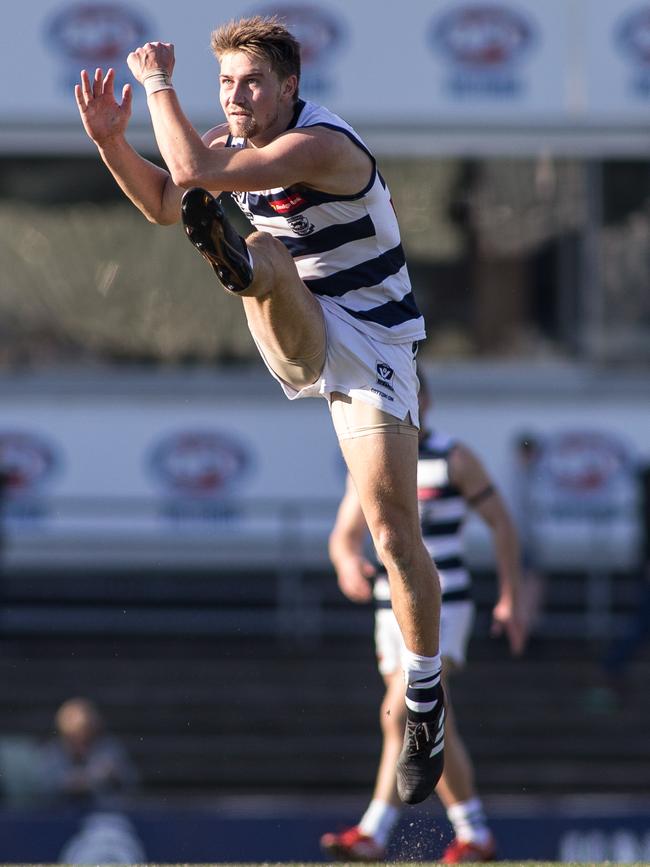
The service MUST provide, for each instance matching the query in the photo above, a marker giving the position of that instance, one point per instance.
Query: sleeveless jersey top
(347, 249)
(443, 511)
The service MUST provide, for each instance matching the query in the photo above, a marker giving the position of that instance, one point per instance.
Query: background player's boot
(463, 852)
(207, 227)
(352, 845)
(421, 761)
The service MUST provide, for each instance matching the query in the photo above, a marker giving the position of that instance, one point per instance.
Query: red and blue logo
(320, 32)
(585, 462)
(90, 35)
(27, 462)
(632, 35)
(483, 36)
(97, 34)
(200, 463)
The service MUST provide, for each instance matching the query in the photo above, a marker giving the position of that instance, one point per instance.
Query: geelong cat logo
(301, 225)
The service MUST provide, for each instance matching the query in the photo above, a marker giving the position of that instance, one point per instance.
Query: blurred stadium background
(166, 511)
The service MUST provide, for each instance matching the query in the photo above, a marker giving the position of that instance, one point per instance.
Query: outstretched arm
(105, 120)
(315, 156)
(469, 474)
(346, 541)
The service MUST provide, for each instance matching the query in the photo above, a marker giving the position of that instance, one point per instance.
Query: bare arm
(316, 156)
(346, 547)
(469, 474)
(149, 187)
(313, 156)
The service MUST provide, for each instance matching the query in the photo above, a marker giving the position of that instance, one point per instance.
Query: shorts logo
(385, 375)
(301, 225)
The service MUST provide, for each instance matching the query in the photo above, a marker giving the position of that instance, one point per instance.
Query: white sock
(379, 820)
(470, 824)
(422, 675)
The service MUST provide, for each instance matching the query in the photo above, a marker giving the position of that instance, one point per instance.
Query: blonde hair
(264, 37)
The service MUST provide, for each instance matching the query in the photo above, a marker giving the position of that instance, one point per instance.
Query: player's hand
(354, 577)
(506, 620)
(102, 116)
(150, 57)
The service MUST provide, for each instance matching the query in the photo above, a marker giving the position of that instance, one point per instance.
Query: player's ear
(290, 85)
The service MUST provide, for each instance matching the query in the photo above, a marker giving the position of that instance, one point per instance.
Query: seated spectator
(83, 765)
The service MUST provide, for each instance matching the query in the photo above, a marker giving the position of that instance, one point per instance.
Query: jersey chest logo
(301, 225)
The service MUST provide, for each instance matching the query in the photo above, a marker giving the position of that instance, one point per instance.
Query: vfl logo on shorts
(385, 375)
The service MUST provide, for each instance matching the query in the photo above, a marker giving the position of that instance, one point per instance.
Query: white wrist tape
(155, 81)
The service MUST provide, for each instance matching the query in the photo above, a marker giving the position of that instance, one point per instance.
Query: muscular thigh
(283, 316)
(383, 466)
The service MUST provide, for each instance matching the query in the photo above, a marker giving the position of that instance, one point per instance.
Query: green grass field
(380, 864)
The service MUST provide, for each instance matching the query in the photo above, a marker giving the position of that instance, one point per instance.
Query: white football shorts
(382, 375)
(456, 622)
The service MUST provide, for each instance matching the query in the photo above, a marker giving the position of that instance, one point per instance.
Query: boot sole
(203, 219)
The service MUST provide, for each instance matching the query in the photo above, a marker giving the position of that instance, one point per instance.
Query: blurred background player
(451, 480)
(623, 649)
(528, 448)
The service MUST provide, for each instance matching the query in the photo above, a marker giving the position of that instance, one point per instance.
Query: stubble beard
(243, 127)
(248, 127)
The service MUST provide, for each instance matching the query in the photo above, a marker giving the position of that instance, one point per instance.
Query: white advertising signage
(517, 63)
(498, 61)
(162, 482)
(584, 495)
(617, 44)
(245, 476)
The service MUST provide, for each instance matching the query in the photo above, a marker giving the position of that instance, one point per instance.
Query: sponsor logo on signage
(87, 35)
(199, 463)
(484, 45)
(627, 841)
(320, 32)
(588, 476)
(632, 37)
(585, 463)
(27, 461)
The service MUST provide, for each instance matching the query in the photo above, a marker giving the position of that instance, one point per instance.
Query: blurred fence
(96, 280)
(256, 567)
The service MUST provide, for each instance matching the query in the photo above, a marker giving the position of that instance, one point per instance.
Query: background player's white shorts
(380, 374)
(456, 621)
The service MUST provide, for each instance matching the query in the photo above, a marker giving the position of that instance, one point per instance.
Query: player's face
(252, 96)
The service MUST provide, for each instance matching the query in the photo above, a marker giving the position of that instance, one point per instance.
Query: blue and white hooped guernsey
(347, 249)
(443, 511)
